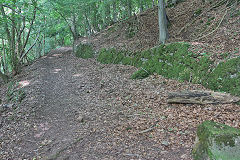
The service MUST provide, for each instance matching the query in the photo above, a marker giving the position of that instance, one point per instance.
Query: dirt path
(79, 109)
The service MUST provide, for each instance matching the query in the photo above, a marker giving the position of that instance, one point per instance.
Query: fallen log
(201, 97)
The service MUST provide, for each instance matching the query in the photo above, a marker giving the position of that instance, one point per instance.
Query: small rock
(4, 107)
(8, 106)
(183, 156)
(165, 143)
(80, 119)
(164, 152)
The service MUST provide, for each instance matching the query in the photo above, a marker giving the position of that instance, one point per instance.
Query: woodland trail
(80, 109)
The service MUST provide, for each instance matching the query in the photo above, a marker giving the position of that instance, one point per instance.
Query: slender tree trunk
(141, 6)
(104, 19)
(174, 2)
(114, 11)
(9, 38)
(153, 3)
(75, 33)
(39, 48)
(30, 29)
(22, 37)
(107, 15)
(74, 44)
(15, 65)
(4, 60)
(95, 18)
(4, 77)
(44, 44)
(162, 21)
(87, 25)
(129, 8)
(44, 38)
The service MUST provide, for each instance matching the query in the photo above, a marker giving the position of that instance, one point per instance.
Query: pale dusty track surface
(122, 118)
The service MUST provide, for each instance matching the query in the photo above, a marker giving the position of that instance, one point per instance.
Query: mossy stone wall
(175, 61)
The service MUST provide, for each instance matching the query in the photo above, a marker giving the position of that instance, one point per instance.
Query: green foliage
(15, 93)
(235, 12)
(113, 56)
(127, 61)
(226, 77)
(132, 28)
(140, 74)
(106, 56)
(198, 12)
(84, 51)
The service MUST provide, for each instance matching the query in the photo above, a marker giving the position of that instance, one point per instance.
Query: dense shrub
(226, 77)
(84, 51)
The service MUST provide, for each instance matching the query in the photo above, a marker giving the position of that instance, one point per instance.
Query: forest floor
(81, 109)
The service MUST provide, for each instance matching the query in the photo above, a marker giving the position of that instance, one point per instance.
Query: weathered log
(201, 97)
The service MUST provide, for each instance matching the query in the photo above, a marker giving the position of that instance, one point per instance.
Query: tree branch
(5, 23)
(214, 29)
(69, 26)
(30, 48)
(30, 29)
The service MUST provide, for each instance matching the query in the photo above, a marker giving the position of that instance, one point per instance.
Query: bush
(226, 77)
(140, 74)
(106, 56)
(84, 51)
(15, 93)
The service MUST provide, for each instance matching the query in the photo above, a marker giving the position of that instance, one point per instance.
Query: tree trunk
(15, 66)
(4, 60)
(153, 3)
(4, 77)
(75, 33)
(201, 97)
(87, 25)
(114, 11)
(129, 8)
(162, 21)
(108, 15)
(74, 44)
(94, 19)
(141, 6)
(39, 48)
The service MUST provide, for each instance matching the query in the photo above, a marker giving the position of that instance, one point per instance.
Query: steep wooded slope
(212, 27)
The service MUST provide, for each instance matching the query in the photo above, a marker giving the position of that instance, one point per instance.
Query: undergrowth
(84, 51)
(175, 61)
(15, 93)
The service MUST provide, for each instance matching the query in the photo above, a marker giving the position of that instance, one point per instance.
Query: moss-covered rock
(216, 141)
(226, 77)
(84, 51)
